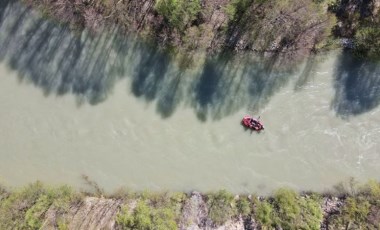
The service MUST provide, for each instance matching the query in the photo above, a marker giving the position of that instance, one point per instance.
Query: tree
(178, 13)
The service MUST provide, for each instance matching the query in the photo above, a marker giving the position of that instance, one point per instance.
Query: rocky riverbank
(348, 206)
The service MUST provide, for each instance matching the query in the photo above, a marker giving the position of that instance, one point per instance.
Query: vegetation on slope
(261, 25)
(360, 22)
(353, 207)
(26, 208)
(151, 211)
(285, 28)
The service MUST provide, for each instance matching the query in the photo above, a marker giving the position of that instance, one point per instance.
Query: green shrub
(355, 210)
(264, 214)
(145, 217)
(3, 193)
(236, 8)
(287, 207)
(58, 198)
(25, 208)
(367, 42)
(156, 199)
(243, 206)
(171, 200)
(33, 217)
(221, 206)
(178, 13)
(139, 219)
(311, 214)
(164, 219)
(289, 211)
(353, 215)
(294, 212)
(15, 206)
(373, 188)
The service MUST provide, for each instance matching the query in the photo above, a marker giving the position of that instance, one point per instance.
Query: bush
(243, 206)
(373, 188)
(164, 200)
(287, 207)
(138, 219)
(236, 8)
(294, 212)
(153, 211)
(26, 207)
(353, 215)
(311, 214)
(3, 193)
(367, 42)
(178, 13)
(164, 219)
(14, 207)
(221, 206)
(264, 214)
(355, 210)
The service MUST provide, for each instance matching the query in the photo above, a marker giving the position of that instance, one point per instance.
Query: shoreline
(283, 31)
(37, 206)
(214, 27)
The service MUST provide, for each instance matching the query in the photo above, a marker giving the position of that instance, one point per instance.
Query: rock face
(93, 213)
(331, 205)
(194, 213)
(376, 7)
(195, 216)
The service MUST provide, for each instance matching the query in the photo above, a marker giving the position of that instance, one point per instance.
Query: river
(125, 114)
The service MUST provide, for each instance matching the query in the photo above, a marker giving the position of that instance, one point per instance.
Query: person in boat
(251, 122)
(254, 123)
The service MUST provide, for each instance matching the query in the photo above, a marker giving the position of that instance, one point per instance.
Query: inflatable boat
(252, 123)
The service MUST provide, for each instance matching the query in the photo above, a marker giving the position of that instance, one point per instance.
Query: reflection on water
(113, 134)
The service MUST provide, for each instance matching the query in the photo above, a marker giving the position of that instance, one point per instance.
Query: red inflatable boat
(252, 123)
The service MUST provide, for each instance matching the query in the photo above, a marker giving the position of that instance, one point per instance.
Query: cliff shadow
(357, 85)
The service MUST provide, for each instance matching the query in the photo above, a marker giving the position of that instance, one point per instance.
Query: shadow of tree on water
(149, 74)
(61, 62)
(357, 86)
(228, 83)
(53, 58)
